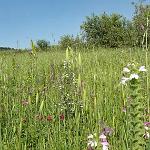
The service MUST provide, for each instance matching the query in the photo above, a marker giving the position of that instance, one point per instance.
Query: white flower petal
(105, 147)
(126, 70)
(92, 143)
(124, 80)
(134, 76)
(142, 69)
(102, 136)
(90, 136)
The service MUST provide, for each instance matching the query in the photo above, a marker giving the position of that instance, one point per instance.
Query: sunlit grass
(47, 106)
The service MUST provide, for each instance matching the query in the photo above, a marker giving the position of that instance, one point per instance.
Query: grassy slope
(38, 82)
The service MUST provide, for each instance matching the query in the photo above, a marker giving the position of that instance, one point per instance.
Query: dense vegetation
(87, 98)
(116, 31)
(53, 100)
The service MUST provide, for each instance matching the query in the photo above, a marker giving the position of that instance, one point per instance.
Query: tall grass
(53, 101)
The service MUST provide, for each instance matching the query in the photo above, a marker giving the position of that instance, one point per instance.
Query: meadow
(71, 100)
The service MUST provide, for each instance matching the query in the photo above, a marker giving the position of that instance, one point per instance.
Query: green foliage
(140, 22)
(70, 41)
(116, 31)
(42, 45)
(34, 89)
(135, 111)
(106, 30)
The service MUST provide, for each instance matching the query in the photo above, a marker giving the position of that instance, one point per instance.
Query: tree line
(108, 30)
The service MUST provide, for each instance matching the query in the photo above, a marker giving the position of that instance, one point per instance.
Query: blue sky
(23, 20)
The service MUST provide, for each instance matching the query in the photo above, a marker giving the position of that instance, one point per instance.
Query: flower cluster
(147, 129)
(132, 74)
(92, 144)
(103, 137)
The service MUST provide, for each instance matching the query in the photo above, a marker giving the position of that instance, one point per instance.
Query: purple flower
(146, 123)
(103, 137)
(107, 131)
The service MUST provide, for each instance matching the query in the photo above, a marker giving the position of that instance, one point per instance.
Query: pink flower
(103, 137)
(107, 131)
(105, 145)
(62, 117)
(49, 118)
(146, 123)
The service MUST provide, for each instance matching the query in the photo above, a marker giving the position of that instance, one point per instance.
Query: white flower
(92, 143)
(90, 136)
(146, 135)
(134, 76)
(146, 128)
(142, 69)
(124, 80)
(102, 136)
(125, 69)
(105, 145)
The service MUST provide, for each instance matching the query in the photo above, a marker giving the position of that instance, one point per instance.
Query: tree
(105, 30)
(140, 21)
(68, 40)
(42, 45)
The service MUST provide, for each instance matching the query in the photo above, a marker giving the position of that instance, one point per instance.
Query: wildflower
(62, 117)
(90, 136)
(142, 69)
(105, 145)
(92, 144)
(134, 76)
(103, 140)
(146, 135)
(146, 123)
(146, 126)
(107, 131)
(124, 80)
(103, 137)
(49, 118)
(126, 70)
